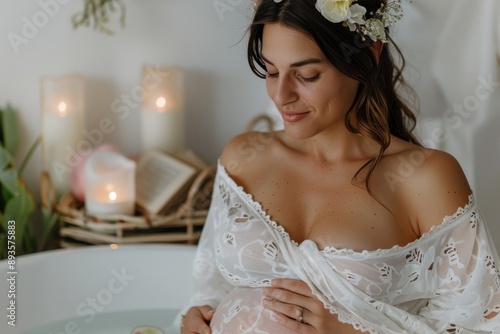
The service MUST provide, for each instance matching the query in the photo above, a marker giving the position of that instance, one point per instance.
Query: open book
(162, 181)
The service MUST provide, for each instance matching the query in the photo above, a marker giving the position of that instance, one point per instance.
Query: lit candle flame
(62, 107)
(112, 195)
(161, 102)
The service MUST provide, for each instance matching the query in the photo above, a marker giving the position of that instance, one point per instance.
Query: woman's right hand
(196, 320)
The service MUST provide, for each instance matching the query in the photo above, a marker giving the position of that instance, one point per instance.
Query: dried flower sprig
(97, 13)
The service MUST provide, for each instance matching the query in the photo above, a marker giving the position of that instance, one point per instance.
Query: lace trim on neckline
(331, 250)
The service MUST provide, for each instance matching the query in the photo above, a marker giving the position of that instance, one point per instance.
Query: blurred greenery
(16, 201)
(97, 14)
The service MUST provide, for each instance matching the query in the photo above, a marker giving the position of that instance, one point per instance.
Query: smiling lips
(293, 117)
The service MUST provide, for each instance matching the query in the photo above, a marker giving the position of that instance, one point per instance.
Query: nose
(285, 92)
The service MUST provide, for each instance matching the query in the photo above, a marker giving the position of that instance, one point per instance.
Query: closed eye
(272, 75)
(309, 79)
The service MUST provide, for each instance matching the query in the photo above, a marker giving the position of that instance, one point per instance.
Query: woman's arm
(434, 190)
(467, 285)
(210, 286)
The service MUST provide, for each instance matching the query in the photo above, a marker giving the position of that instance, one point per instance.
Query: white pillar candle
(162, 114)
(109, 184)
(62, 105)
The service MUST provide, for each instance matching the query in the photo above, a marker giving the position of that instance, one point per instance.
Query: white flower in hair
(354, 16)
(374, 29)
(335, 11)
(357, 17)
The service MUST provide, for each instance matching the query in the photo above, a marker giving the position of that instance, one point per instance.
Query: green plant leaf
(19, 208)
(29, 242)
(29, 154)
(5, 158)
(10, 129)
(9, 179)
(6, 195)
(50, 219)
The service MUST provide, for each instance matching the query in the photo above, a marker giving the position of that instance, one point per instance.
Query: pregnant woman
(342, 222)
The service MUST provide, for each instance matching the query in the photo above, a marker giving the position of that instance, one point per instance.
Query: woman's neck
(337, 146)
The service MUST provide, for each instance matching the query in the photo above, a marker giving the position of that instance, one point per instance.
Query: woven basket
(182, 224)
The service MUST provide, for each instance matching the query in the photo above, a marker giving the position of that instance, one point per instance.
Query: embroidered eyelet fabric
(447, 281)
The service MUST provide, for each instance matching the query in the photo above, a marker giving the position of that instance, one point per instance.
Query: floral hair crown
(353, 16)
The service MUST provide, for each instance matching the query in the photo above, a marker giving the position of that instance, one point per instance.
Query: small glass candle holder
(109, 184)
(162, 114)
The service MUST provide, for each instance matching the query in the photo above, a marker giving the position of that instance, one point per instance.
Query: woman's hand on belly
(299, 310)
(197, 319)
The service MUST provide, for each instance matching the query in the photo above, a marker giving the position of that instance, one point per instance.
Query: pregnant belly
(241, 312)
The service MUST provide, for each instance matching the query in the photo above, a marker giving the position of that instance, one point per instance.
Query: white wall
(453, 52)
(221, 92)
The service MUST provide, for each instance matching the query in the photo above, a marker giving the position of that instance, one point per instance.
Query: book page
(160, 180)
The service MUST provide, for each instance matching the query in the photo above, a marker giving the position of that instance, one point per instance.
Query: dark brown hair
(377, 111)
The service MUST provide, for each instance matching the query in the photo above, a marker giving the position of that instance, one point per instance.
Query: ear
(376, 48)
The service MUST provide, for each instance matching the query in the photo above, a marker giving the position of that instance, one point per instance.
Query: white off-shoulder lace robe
(447, 281)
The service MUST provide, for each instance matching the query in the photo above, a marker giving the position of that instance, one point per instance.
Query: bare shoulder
(245, 153)
(433, 186)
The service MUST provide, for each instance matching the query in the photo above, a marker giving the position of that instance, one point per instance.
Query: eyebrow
(297, 64)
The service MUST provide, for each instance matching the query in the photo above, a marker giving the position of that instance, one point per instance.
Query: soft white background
(221, 92)
(222, 95)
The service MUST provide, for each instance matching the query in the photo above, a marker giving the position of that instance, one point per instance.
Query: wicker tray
(182, 224)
